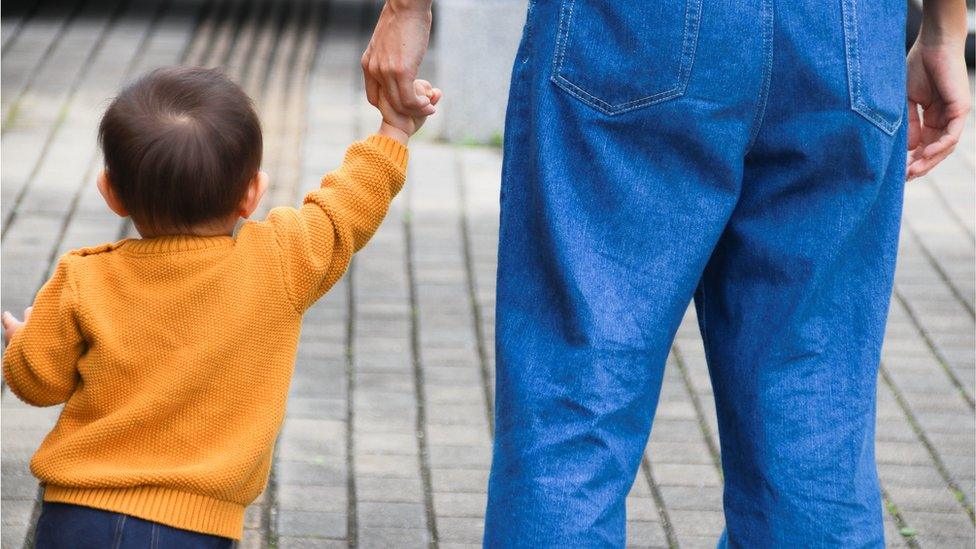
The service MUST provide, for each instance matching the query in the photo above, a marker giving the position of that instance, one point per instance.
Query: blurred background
(387, 438)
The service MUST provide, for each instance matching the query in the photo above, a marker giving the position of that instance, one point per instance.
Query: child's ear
(108, 193)
(255, 190)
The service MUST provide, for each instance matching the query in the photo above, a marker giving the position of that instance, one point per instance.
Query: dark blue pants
(749, 155)
(63, 526)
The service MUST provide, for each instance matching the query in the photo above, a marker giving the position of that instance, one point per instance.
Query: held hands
(390, 65)
(391, 60)
(11, 324)
(401, 126)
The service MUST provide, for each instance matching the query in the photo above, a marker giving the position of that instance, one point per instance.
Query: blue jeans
(64, 526)
(747, 154)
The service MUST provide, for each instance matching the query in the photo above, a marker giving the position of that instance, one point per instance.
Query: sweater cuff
(393, 149)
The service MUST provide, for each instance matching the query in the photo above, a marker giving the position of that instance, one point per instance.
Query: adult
(751, 155)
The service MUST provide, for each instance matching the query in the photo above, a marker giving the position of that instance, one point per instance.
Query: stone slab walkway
(387, 437)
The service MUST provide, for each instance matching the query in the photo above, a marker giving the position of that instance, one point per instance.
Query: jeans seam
(853, 59)
(527, 28)
(766, 28)
(562, 36)
(704, 317)
(692, 30)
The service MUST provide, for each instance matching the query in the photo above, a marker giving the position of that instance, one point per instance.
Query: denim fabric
(748, 154)
(64, 526)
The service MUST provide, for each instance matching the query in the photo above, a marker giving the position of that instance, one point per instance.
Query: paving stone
(646, 534)
(386, 443)
(940, 499)
(642, 508)
(407, 490)
(386, 423)
(252, 517)
(942, 524)
(461, 457)
(316, 408)
(304, 449)
(694, 452)
(692, 498)
(895, 429)
(902, 453)
(384, 538)
(462, 415)
(697, 523)
(291, 542)
(313, 473)
(461, 530)
(18, 487)
(675, 430)
(12, 535)
(683, 474)
(312, 498)
(391, 515)
(400, 382)
(459, 480)
(461, 435)
(312, 524)
(458, 504)
(698, 542)
(391, 466)
(960, 463)
(448, 372)
(16, 511)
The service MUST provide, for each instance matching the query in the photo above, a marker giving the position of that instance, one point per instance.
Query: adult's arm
(939, 84)
(391, 60)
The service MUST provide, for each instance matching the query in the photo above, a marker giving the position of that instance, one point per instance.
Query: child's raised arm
(336, 220)
(41, 361)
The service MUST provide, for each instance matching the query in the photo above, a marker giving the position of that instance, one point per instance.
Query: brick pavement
(386, 442)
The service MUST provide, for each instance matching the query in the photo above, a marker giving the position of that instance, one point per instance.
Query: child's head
(182, 150)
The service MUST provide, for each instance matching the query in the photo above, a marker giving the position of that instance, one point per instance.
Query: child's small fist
(404, 122)
(11, 324)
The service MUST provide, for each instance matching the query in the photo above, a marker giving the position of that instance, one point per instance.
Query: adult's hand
(939, 84)
(393, 56)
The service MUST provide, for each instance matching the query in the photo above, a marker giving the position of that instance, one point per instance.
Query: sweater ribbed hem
(391, 148)
(163, 505)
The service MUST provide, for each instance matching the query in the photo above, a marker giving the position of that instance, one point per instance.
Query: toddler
(172, 353)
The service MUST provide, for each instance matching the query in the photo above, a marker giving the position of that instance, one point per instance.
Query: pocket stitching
(689, 47)
(852, 55)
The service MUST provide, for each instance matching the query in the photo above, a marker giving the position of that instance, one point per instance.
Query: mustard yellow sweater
(173, 355)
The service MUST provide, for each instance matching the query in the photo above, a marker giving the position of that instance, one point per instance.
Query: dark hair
(181, 145)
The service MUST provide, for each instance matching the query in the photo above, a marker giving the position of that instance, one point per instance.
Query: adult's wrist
(407, 6)
(940, 38)
(943, 24)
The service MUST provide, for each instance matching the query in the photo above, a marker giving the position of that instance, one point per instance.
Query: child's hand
(11, 324)
(402, 126)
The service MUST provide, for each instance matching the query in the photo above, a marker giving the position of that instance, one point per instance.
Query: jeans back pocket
(620, 56)
(874, 39)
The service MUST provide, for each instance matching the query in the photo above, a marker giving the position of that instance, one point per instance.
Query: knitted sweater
(173, 355)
